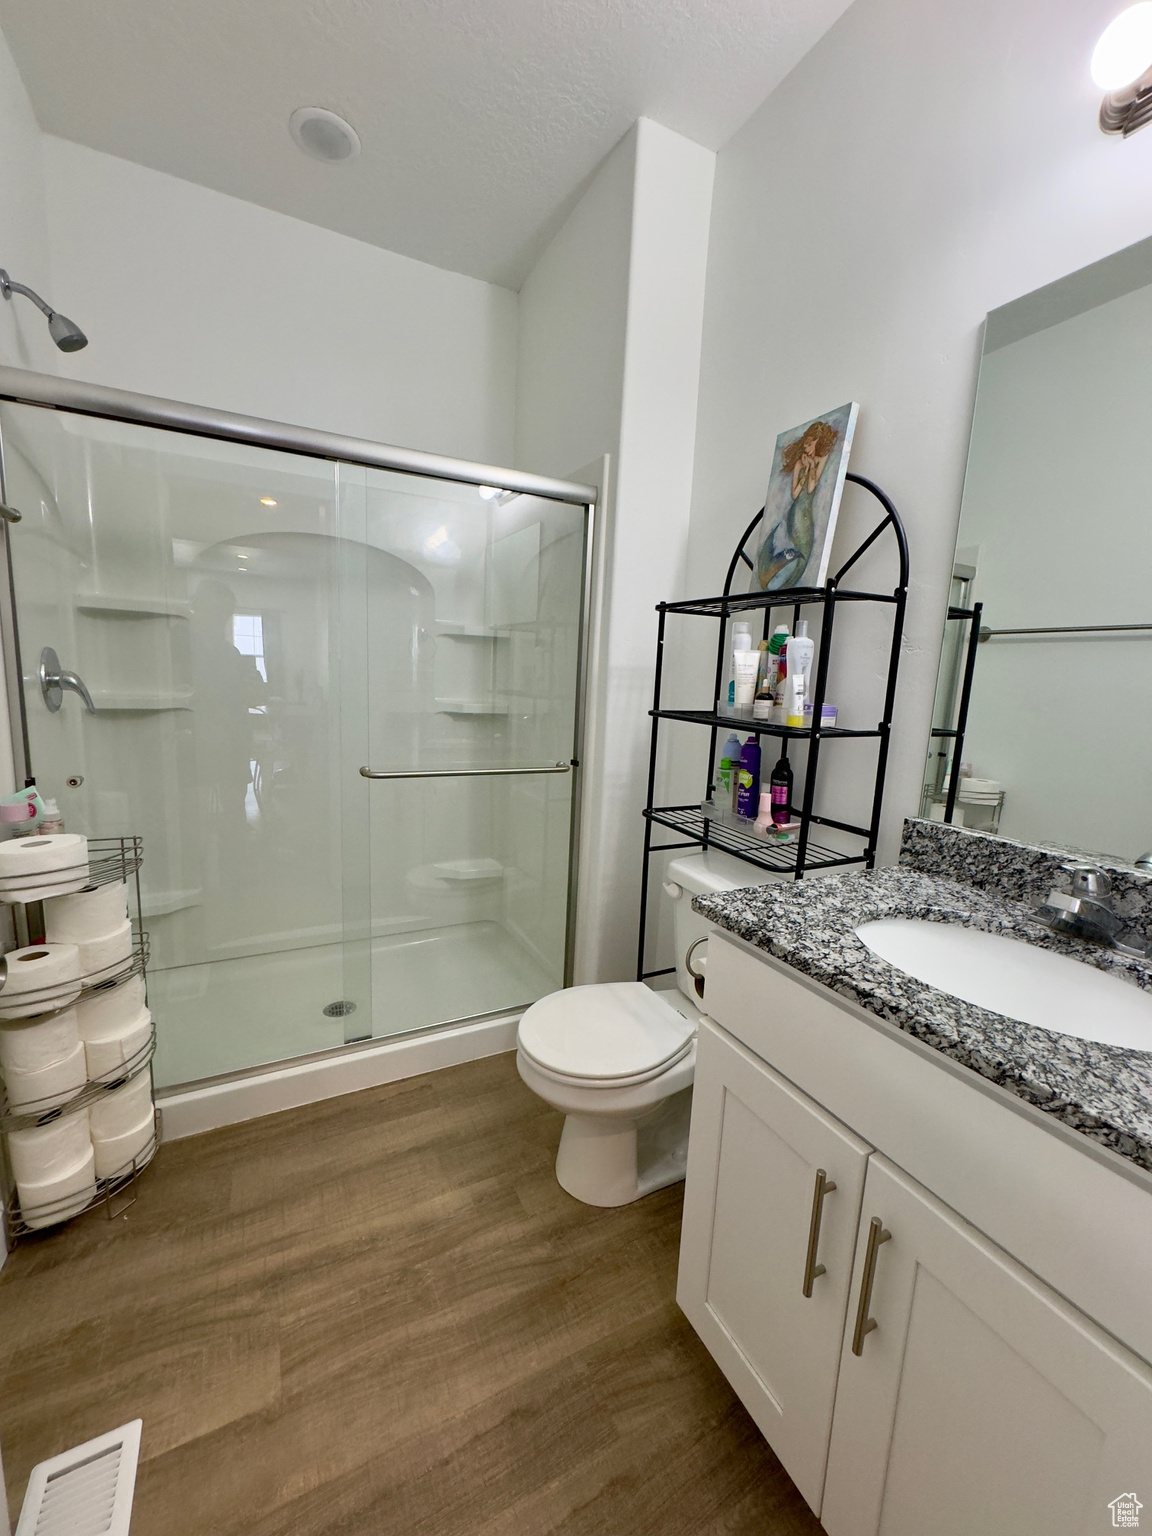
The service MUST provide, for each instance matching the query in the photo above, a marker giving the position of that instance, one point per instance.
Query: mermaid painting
(804, 490)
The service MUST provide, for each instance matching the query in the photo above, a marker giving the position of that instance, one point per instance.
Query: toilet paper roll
(114, 1154)
(48, 888)
(42, 855)
(47, 1152)
(100, 957)
(40, 977)
(112, 1051)
(30, 1045)
(37, 1092)
(44, 1204)
(103, 1015)
(123, 1109)
(28, 863)
(87, 915)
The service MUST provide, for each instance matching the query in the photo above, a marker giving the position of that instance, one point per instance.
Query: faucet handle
(1089, 880)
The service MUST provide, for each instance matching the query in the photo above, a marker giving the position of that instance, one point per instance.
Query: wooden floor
(381, 1314)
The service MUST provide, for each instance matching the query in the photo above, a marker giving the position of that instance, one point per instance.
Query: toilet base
(614, 1159)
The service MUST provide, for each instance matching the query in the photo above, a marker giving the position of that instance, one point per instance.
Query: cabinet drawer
(751, 1247)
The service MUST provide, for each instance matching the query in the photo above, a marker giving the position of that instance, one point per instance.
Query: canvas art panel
(804, 490)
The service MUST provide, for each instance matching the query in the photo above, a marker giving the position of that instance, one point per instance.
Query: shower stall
(335, 686)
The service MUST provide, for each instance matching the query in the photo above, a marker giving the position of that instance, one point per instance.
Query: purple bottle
(748, 795)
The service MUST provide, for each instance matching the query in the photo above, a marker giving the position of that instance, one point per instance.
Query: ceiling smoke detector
(324, 135)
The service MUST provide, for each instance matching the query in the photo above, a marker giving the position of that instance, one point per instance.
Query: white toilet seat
(614, 1034)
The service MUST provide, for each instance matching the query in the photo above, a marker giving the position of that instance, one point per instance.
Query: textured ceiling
(480, 119)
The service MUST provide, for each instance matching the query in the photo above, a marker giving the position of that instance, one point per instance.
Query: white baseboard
(188, 1111)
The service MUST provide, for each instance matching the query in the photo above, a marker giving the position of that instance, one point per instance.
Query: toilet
(618, 1058)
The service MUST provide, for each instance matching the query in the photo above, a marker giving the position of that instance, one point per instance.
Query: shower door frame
(19, 386)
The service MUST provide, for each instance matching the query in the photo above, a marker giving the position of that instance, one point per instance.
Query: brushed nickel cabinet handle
(864, 1323)
(812, 1270)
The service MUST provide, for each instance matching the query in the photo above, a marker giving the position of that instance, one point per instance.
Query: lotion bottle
(745, 665)
(800, 651)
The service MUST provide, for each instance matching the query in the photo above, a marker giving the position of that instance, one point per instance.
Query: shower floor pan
(228, 1015)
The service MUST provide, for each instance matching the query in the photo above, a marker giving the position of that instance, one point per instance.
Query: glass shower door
(212, 603)
(473, 605)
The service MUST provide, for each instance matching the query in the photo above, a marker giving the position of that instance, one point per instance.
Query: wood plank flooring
(381, 1314)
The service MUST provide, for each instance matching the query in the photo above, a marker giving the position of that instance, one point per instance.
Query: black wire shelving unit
(694, 826)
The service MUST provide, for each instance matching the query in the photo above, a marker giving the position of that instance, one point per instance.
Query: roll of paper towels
(55, 851)
(40, 977)
(87, 915)
(44, 1204)
(112, 1051)
(37, 1092)
(47, 1152)
(122, 1110)
(114, 1154)
(105, 1014)
(29, 1045)
(100, 957)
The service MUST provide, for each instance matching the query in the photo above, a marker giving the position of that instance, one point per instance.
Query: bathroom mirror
(1050, 617)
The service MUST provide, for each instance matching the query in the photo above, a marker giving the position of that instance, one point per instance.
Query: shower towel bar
(458, 773)
(1065, 629)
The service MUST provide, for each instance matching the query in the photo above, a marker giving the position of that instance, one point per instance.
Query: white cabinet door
(981, 1403)
(758, 1152)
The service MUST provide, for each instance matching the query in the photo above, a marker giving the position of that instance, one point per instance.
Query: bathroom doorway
(340, 701)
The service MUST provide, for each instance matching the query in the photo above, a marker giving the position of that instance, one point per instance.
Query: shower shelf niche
(108, 606)
(448, 629)
(110, 860)
(472, 707)
(127, 703)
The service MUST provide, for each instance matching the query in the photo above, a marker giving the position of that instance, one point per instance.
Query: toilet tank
(701, 874)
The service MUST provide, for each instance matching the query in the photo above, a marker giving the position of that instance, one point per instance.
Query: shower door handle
(54, 680)
(458, 773)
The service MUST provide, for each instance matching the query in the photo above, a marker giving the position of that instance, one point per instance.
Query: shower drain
(339, 1010)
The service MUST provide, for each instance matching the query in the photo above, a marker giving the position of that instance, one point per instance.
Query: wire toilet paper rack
(111, 860)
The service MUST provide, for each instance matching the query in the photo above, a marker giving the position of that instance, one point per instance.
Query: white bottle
(745, 665)
(51, 819)
(800, 652)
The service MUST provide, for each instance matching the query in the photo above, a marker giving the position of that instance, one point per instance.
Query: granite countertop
(1103, 1091)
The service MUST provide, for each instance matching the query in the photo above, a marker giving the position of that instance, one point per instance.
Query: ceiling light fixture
(1122, 67)
(324, 135)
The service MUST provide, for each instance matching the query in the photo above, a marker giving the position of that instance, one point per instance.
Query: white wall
(190, 294)
(609, 354)
(24, 340)
(922, 165)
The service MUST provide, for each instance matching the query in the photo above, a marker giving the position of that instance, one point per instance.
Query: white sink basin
(1008, 976)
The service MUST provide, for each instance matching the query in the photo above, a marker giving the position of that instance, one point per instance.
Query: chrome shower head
(64, 332)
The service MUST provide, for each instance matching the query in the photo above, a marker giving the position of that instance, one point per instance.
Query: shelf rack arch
(694, 825)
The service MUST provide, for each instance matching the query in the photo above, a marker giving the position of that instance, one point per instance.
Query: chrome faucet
(1088, 912)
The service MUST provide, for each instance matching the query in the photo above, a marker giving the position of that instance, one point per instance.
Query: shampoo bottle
(748, 795)
(800, 650)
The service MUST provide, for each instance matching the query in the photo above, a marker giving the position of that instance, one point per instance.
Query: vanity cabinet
(980, 1402)
(929, 1381)
(770, 1214)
